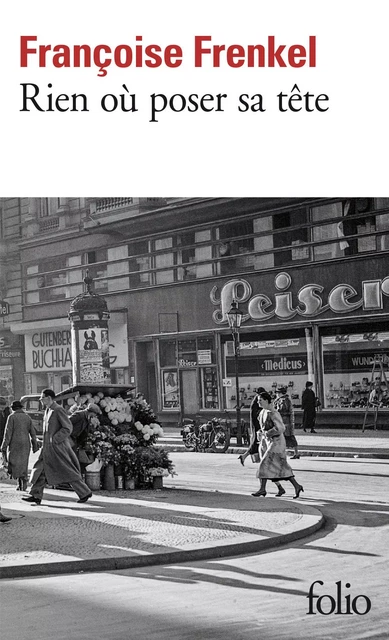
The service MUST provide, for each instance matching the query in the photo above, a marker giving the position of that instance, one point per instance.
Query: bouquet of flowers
(101, 443)
(145, 459)
(125, 435)
(126, 415)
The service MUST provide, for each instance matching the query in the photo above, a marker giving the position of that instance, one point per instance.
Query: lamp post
(234, 316)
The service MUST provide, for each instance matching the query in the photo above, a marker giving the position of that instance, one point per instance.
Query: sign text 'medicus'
(272, 53)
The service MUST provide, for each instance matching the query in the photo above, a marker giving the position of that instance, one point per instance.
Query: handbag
(254, 452)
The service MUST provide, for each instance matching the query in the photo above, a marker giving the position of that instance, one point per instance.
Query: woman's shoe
(241, 460)
(295, 457)
(280, 493)
(258, 494)
(298, 491)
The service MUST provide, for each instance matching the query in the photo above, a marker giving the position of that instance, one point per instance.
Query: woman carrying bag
(272, 450)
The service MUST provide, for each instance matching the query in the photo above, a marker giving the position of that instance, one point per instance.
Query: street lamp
(234, 316)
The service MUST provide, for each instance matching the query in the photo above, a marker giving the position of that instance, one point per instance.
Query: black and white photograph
(201, 388)
(194, 342)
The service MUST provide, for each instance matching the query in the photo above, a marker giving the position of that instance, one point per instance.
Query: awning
(107, 389)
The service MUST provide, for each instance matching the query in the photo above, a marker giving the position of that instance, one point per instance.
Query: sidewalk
(346, 443)
(124, 529)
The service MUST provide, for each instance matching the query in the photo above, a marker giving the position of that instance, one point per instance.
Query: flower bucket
(109, 478)
(157, 482)
(129, 483)
(92, 479)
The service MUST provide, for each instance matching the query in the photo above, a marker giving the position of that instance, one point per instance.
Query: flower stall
(123, 437)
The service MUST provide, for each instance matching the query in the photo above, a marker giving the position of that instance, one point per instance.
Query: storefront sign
(204, 356)
(349, 361)
(48, 351)
(311, 301)
(51, 350)
(10, 346)
(182, 362)
(270, 364)
(4, 308)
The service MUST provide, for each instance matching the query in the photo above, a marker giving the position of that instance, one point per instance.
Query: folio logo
(341, 604)
(342, 299)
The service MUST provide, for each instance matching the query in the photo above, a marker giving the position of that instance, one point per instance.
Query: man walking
(57, 462)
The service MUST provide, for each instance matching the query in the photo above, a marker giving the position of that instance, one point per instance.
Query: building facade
(311, 277)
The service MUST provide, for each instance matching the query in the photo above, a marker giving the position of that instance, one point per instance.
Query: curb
(173, 557)
(330, 454)
(303, 452)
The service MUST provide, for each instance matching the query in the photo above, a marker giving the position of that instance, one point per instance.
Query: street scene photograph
(194, 418)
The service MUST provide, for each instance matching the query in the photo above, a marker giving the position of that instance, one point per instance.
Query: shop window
(188, 366)
(209, 388)
(348, 365)
(187, 353)
(205, 351)
(269, 363)
(170, 391)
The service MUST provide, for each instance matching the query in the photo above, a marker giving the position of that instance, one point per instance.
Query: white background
(340, 152)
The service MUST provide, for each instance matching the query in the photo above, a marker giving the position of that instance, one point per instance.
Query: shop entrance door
(189, 392)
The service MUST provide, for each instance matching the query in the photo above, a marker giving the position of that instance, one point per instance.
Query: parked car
(34, 408)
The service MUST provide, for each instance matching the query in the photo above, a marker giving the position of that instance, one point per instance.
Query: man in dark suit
(57, 462)
(308, 405)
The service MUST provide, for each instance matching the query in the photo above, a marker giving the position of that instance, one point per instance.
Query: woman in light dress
(273, 463)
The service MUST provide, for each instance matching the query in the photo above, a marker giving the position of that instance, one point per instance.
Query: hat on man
(93, 408)
(282, 389)
(3, 401)
(309, 384)
(16, 405)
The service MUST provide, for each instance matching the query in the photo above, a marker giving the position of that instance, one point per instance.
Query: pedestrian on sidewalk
(4, 518)
(84, 422)
(57, 462)
(308, 405)
(272, 450)
(255, 410)
(283, 404)
(4, 413)
(19, 437)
